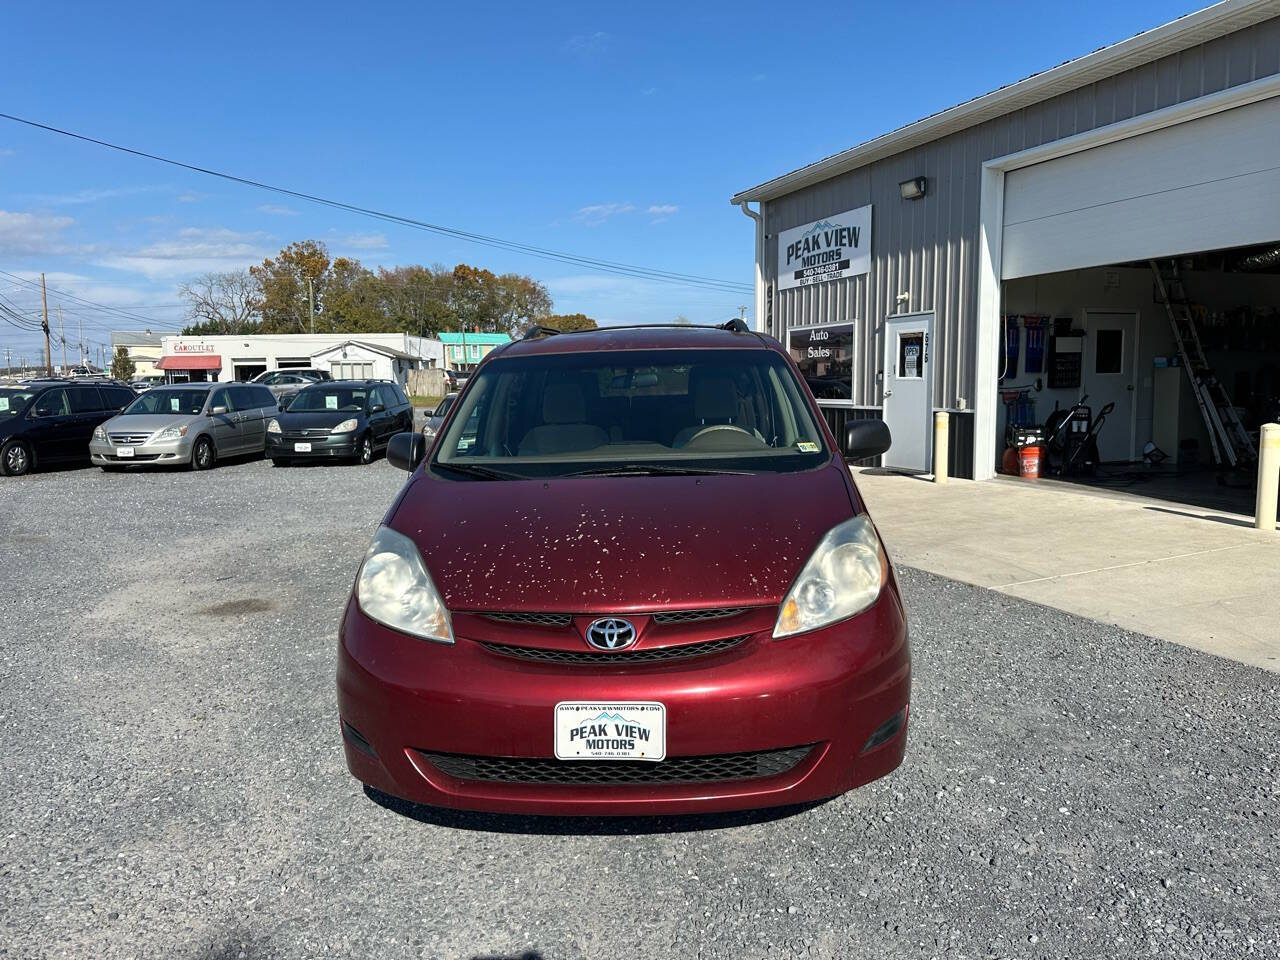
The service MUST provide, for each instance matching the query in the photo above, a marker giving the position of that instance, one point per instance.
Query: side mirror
(866, 438)
(406, 450)
(217, 411)
(377, 408)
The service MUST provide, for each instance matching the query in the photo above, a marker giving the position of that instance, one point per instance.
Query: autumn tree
(283, 285)
(122, 368)
(416, 298)
(222, 303)
(567, 322)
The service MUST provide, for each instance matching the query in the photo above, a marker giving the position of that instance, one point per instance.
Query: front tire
(202, 454)
(364, 454)
(15, 459)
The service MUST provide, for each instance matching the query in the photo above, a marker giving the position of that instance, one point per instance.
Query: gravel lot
(174, 780)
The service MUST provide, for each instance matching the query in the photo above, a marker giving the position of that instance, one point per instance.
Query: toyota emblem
(611, 633)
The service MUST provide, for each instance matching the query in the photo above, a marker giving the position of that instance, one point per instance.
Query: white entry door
(1109, 376)
(908, 395)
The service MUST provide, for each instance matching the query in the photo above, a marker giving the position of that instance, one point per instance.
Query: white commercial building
(388, 356)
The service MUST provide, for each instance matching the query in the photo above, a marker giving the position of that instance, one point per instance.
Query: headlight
(346, 426)
(171, 433)
(842, 578)
(273, 426)
(394, 588)
(99, 433)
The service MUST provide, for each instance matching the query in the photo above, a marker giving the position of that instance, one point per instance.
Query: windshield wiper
(652, 470)
(475, 470)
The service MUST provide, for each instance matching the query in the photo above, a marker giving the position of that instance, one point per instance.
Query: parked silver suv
(186, 423)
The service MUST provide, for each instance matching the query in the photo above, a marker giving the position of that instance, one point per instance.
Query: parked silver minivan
(186, 423)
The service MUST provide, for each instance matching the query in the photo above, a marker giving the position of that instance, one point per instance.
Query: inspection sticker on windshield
(806, 446)
(597, 730)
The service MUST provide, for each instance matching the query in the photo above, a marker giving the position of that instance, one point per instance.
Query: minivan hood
(322, 418)
(620, 544)
(145, 422)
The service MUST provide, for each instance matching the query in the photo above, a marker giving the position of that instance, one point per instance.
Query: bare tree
(223, 303)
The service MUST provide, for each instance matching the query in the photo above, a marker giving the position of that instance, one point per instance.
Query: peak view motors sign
(828, 249)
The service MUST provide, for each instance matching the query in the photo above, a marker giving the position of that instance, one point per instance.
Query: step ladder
(1232, 444)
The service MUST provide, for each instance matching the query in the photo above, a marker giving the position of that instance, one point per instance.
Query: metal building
(1044, 201)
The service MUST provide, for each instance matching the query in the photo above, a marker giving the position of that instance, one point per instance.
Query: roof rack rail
(538, 330)
(736, 325)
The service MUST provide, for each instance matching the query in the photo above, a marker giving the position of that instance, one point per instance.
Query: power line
(90, 303)
(605, 266)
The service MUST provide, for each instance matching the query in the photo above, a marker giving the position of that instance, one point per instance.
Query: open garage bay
(174, 781)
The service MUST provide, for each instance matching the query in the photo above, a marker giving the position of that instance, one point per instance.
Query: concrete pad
(1204, 579)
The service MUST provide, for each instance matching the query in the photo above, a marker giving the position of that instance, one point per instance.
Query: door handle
(888, 393)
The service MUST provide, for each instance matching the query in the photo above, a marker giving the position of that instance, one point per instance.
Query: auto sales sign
(828, 249)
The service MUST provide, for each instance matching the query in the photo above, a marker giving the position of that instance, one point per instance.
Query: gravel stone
(174, 782)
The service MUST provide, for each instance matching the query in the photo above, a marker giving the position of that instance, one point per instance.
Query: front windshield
(175, 402)
(329, 398)
(13, 402)
(657, 411)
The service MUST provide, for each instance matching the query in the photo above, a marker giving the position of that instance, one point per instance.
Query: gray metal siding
(928, 248)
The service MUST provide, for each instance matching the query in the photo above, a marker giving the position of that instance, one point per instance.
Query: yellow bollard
(941, 442)
(1264, 514)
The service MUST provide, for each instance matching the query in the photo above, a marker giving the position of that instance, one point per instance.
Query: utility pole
(80, 336)
(62, 335)
(311, 303)
(48, 349)
(742, 312)
(7, 371)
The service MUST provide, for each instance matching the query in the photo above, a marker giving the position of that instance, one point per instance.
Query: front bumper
(425, 721)
(104, 453)
(284, 446)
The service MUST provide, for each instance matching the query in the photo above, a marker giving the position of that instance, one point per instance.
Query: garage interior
(1106, 334)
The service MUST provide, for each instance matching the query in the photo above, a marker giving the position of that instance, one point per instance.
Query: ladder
(1230, 441)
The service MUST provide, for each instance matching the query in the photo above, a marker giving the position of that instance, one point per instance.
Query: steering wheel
(714, 427)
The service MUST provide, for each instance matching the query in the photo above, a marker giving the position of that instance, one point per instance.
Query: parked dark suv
(51, 421)
(349, 419)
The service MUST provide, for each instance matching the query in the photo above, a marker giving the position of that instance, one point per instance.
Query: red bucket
(1029, 461)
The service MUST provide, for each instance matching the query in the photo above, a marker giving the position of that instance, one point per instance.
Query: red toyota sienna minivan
(631, 575)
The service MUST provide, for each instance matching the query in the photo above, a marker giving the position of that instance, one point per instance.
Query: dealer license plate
(124, 451)
(302, 448)
(601, 730)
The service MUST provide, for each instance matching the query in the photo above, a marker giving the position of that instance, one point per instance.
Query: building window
(1108, 353)
(910, 356)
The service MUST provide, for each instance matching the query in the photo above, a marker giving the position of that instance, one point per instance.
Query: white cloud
(648, 91)
(366, 241)
(588, 44)
(190, 197)
(661, 211)
(597, 213)
(94, 195)
(277, 211)
(31, 233)
(193, 250)
(7, 152)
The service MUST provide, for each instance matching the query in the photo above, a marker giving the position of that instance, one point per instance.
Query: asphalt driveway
(174, 782)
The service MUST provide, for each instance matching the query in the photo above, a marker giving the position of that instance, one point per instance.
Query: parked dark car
(457, 379)
(344, 419)
(632, 575)
(51, 421)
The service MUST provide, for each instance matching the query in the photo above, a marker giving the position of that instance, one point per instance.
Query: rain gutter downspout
(759, 305)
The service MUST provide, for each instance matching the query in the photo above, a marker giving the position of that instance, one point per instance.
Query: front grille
(128, 439)
(564, 619)
(709, 769)
(140, 458)
(620, 658)
(308, 434)
(532, 619)
(691, 616)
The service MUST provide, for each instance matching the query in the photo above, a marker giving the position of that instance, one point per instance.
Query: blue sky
(609, 130)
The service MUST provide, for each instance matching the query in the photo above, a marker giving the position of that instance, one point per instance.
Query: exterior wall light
(913, 189)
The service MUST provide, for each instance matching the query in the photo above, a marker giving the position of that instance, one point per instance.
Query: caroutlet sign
(828, 249)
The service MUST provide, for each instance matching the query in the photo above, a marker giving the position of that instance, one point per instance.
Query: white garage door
(1200, 185)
